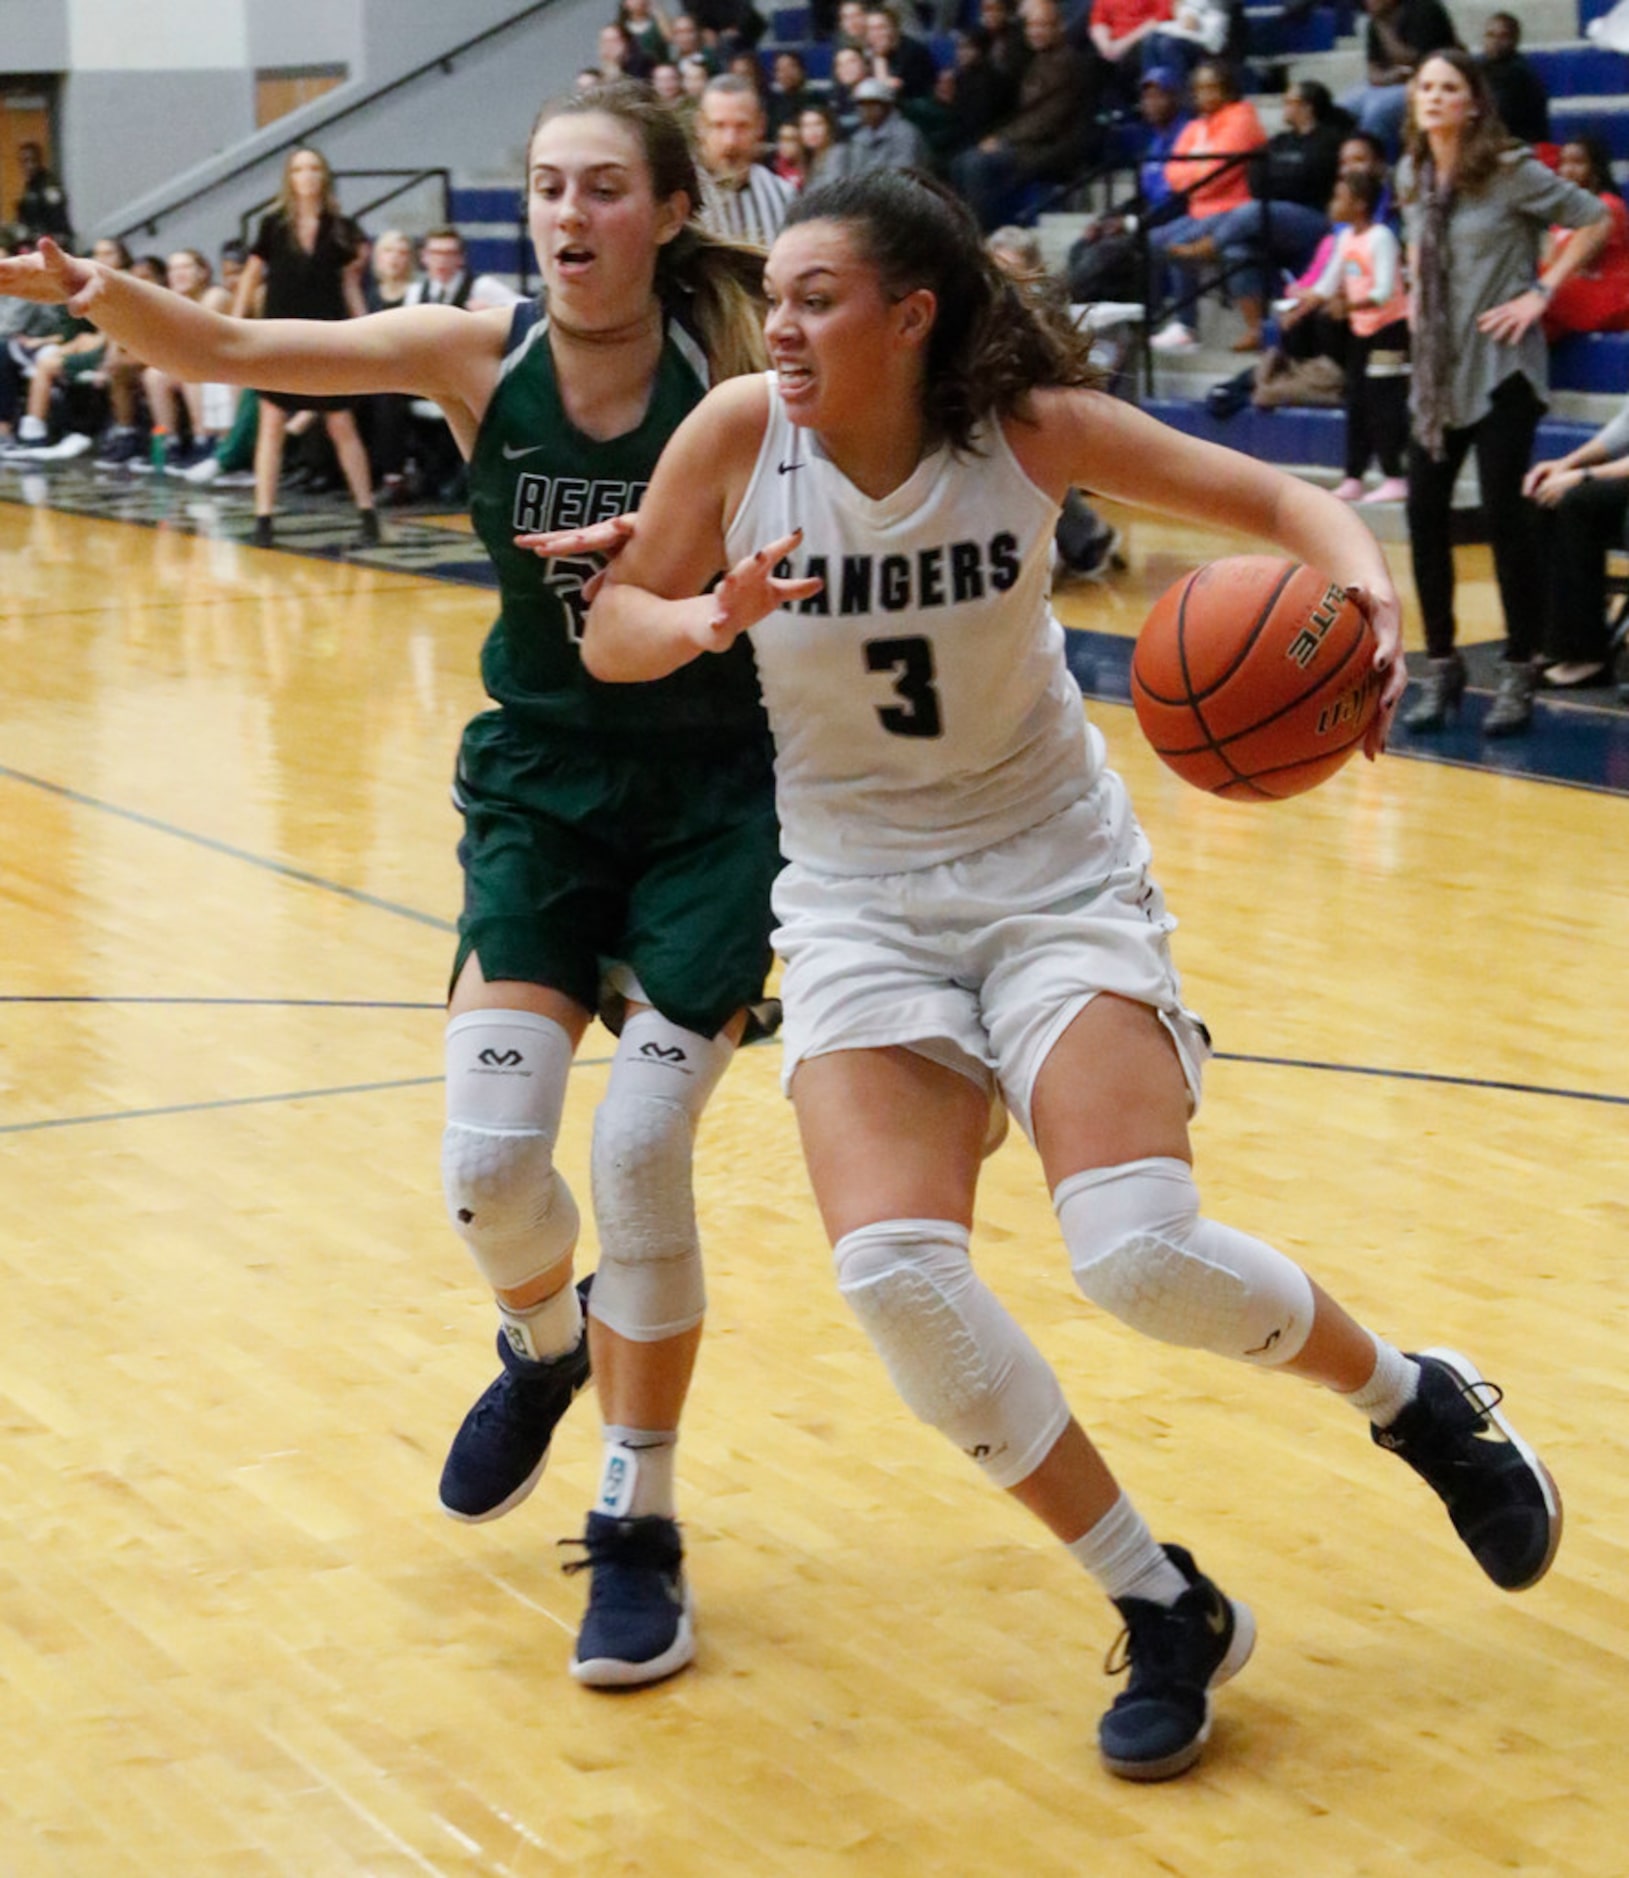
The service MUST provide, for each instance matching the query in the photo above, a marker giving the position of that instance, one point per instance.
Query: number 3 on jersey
(911, 662)
(567, 577)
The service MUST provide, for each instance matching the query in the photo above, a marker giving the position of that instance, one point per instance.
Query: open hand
(1506, 323)
(750, 592)
(607, 538)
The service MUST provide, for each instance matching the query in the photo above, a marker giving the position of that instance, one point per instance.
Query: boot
(1513, 703)
(1440, 692)
(367, 528)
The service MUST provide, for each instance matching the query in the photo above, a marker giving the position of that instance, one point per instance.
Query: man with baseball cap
(885, 138)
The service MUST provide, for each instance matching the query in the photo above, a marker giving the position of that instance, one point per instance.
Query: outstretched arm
(1112, 449)
(433, 352)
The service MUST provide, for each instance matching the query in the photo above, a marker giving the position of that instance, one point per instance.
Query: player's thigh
(889, 1134)
(1113, 1088)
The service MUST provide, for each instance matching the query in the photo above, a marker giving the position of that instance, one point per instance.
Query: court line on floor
(603, 1062)
(290, 1004)
(298, 874)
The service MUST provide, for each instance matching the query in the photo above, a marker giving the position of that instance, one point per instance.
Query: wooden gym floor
(238, 1638)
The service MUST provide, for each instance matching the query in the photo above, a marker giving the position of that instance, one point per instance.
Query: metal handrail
(311, 129)
(247, 219)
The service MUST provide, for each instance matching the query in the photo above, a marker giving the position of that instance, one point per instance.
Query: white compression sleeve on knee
(506, 1087)
(649, 1283)
(958, 1360)
(1140, 1250)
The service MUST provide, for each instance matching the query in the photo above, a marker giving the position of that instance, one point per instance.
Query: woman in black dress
(309, 258)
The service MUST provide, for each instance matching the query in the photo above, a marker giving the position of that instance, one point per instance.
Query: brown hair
(286, 205)
(994, 339)
(1482, 143)
(717, 285)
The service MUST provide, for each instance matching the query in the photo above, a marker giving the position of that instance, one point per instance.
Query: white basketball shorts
(982, 963)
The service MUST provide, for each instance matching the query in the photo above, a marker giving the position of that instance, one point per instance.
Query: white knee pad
(1140, 1250)
(959, 1362)
(649, 1282)
(506, 1086)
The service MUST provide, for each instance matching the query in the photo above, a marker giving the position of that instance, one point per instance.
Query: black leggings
(1575, 536)
(1377, 400)
(1503, 441)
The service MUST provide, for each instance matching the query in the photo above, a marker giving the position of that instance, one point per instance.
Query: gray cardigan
(1495, 235)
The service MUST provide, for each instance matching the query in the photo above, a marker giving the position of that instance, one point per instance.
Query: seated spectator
(848, 69)
(850, 26)
(695, 78)
(668, 86)
(743, 64)
(885, 139)
(1596, 298)
(1291, 183)
(46, 351)
(823, 155)
(970, 95)
(209, 408)
(1008, 50)
(1582, 503)
(1117, 30)
(902, 63)
(1049, 134)
(229, 264)
(786, 154)
(1197, 29)
(642, 21)
(1226, 128)
(391, 268)
(788, 91)
(444, 280)
(619, 54)
(1362, 285)
(1400, 34)
(1524, 104)
(684, 41)
(1105, 263)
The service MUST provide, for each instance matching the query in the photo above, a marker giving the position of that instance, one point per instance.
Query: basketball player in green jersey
(618, 841)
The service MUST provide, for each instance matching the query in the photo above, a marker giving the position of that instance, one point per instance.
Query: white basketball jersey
(920, 703)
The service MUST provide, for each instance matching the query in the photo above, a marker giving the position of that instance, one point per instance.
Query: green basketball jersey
(532, 470)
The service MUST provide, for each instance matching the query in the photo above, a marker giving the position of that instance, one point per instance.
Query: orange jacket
(1226, 132)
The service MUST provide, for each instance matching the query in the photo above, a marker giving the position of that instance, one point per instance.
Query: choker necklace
(647, 322)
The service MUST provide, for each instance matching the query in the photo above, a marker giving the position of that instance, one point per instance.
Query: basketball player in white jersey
(968, 903)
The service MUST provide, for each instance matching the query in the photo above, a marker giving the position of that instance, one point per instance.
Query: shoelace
(1482, 1396)
(624, 1545)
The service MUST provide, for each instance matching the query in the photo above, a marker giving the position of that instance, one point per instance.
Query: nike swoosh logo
(1216, 1620)
(509, 455)
(787, 468)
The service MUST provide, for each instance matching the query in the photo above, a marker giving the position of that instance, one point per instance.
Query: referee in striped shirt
(740, 199)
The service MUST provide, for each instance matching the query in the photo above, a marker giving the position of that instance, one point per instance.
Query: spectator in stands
(788, 91)
(902, 63)
(445, 279)
(1226, 128)
(741, 199)
(1363, 286)
(42, 208)
(695, 77)
(309, 257)
(786, 154)
(850, 26)
(229, 264)
(209, 408)
(1049, 134)
(385, 420)
(1105, 263)
(1476, 208)
(1008, 49)
(667, 83)
(729, 25)
(885, 138)
(1400, 34)
(823, 155)
(848, 69)
(1117, 29)
(618, 54)
(743, 63)
(647, 28)
(1197, 29)
(972, 96)
(1291, 183)
(684, 41)
(1518, 91)
(1596, 299)
(1582, 500)
(51, 351)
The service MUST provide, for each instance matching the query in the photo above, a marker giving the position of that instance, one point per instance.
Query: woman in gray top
(1475, 208)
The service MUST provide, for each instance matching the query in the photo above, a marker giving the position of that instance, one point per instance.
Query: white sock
(637, 1478)
(1121, 1555)
(1390, 1389)
(32, 429)
(550, 1329)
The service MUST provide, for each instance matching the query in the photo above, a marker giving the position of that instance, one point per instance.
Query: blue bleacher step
(486, 202)
(1272, 36)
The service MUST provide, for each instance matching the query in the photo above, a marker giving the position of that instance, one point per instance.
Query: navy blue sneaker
(502, 1445)
(1498, 1493)
(637, 1627)
(1158, 1724)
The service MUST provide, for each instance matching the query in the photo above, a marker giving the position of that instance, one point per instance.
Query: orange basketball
(1254, 678)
